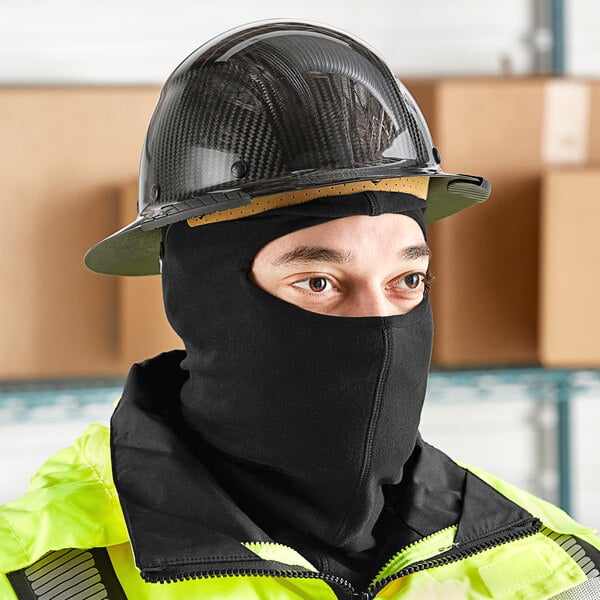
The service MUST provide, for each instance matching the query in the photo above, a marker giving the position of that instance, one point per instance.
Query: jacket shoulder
(71, 503)
(550, 515)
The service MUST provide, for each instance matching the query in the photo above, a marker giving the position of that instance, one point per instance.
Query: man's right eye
(314, 284)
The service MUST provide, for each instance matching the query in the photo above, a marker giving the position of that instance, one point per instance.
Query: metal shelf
(47, 401)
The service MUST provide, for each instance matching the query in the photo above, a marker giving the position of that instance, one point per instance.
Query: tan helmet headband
(417, 186)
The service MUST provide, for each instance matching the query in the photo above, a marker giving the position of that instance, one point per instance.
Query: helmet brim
(135, 249)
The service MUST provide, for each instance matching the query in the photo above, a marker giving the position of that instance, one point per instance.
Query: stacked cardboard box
(65, 154)
(487, 260)
(70, 155)
(569, 317)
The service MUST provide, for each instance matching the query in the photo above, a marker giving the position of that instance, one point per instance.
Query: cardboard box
(569, 319)
(68, 152)
(486, 260)
(65, 154)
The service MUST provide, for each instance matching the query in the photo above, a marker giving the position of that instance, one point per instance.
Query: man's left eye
(411, 281)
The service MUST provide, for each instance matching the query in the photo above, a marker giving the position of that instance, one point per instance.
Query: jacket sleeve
(71, 503)
(6, 590)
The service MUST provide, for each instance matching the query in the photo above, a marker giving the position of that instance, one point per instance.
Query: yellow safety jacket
(66, 539)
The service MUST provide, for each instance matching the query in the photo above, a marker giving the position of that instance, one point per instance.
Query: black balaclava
(301, 417)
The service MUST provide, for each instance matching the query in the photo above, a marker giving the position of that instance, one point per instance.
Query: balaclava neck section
(302, 417)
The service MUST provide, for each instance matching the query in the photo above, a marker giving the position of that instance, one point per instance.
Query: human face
(359, 266)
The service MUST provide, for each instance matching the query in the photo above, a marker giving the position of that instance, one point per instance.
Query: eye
(314, 284)
(413, 281)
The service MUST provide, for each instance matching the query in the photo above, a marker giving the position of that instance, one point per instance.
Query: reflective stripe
(569, 544)
(68, 575)
(585, 591)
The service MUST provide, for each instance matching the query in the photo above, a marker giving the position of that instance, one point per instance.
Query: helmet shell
(265, 109)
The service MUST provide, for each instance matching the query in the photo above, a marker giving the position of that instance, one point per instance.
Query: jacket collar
(194, 526)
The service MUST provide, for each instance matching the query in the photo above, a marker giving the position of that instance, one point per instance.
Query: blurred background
(511, 91)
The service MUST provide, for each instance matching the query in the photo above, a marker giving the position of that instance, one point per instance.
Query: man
(285, 186)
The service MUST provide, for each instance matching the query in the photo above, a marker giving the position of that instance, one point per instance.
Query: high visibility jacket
(66, 539)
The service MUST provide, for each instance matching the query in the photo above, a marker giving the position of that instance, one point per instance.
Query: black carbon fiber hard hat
(272, 114)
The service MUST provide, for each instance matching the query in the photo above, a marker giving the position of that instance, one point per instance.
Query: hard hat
(273, 114)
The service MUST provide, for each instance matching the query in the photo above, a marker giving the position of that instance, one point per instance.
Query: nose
(369, 301)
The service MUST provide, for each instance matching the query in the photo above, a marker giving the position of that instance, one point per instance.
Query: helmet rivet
(155, 192)
(436, 155)
(239, 169)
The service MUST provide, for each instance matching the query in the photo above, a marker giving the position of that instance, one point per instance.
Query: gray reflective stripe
(588, 590)
(569, 544)
(69, 575)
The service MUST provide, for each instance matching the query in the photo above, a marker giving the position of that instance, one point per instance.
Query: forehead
(351, 236)
(356, 229)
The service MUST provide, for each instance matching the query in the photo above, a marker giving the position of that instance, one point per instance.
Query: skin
(359, 266)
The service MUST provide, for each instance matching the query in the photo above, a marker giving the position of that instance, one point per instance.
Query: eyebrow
(414, 252)
(310, 254)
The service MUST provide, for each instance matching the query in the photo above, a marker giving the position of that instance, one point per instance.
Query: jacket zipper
(531, 529)
(351, 593)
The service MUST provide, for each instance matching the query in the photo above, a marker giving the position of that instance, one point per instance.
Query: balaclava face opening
(301, 417)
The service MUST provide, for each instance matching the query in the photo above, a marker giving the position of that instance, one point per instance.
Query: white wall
(582, 24)
(141, 41)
